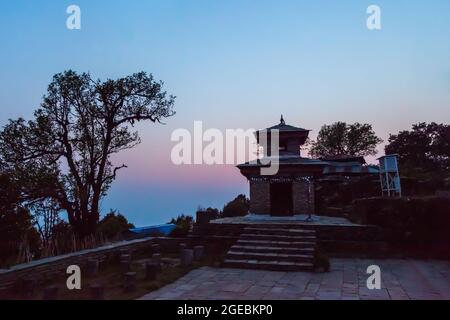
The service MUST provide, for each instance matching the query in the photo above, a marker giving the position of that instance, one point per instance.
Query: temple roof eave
(313, 165)
(288, 161)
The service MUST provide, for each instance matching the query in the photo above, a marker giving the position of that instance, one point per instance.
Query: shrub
(63, 240)
(183, 226)
(240, 206)
(340, 194)
(113, 225)
(204, 216)
(19, 240)
(419, 222)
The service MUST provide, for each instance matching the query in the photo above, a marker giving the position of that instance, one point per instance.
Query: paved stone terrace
(401, 280)
(297, 219)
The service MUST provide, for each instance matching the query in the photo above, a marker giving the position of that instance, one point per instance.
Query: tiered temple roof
(291, 138)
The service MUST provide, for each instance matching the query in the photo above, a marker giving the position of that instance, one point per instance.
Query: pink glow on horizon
(167, 174)
(150, 162)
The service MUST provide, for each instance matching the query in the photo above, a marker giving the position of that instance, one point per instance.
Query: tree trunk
(84, 223)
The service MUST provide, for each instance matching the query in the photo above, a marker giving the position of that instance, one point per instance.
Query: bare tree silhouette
(80, 124)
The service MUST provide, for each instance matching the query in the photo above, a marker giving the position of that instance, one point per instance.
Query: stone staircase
(279, 247)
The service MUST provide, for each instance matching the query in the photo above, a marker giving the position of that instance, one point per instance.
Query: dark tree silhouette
(16, 228)
(345, 139)
(80, 124)
(113, 225)
(425, 148)
(239, 206)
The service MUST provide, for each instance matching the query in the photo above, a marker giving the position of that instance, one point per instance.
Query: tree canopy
(341, 138)
(424, 148)
(16, 228)
(239, 206)
(113, 225)
(64, 153)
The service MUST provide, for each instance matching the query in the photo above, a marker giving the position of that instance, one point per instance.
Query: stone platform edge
(44, 269)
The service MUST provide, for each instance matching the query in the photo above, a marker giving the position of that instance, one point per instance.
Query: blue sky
(232, 64)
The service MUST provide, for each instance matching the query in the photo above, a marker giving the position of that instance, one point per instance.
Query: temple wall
(312, 198)
(260, 197)
(303, 197)
(293, 146)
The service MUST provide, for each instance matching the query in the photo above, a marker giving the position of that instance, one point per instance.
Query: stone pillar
(151, 270)
(97, 292)
(198, 252)
(186, 257)
(303, 197)
(125, 257)
(125, 263)
(260, 197)
(156, 258)
(125, 266)
(129, 281)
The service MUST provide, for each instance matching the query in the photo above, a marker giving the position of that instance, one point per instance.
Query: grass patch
(111, 278)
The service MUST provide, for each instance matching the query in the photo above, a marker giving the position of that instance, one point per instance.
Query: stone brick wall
(260, 197)
(303, 197)
(44, 269)
(336, 240)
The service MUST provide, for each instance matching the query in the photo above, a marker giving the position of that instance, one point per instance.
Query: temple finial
(282, 120)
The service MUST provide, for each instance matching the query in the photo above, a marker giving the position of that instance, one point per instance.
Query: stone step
(269, 249)
(281, 247)
(272, 237)
(305, 226)
(280, 231)
(239, 255)
(268, 243)
(268, 265)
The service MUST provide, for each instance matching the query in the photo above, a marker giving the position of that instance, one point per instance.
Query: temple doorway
(281, 202)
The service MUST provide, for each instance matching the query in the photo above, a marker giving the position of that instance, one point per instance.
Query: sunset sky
(232, 64)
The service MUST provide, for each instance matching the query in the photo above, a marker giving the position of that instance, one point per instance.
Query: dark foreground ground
(401, 280)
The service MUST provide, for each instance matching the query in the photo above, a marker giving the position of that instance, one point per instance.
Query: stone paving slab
(401, 280)
(254, 219)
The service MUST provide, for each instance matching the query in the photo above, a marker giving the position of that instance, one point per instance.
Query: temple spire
(282, 120)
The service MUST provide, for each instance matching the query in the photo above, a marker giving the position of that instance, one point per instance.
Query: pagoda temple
(292, 190)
